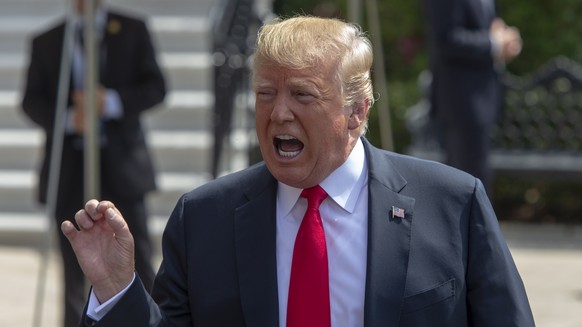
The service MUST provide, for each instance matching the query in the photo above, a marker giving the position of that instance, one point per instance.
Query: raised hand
(104, 247)
(507, 38)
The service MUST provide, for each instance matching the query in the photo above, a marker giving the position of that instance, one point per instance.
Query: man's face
(304, 130)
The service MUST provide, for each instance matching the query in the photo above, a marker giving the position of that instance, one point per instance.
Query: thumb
(69, 230)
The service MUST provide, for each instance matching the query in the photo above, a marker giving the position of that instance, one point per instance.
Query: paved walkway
(549, 258)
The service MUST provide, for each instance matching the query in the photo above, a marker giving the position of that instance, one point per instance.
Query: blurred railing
(233, 34)
(540, 131)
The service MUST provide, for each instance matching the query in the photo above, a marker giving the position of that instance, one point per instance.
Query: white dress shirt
(345, 222)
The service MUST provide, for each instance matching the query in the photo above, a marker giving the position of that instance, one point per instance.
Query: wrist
(107, 289)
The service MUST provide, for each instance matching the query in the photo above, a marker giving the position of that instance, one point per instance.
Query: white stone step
(184, 151)
(144, 7)
(177, 150)
(30, 229)
(180, 110)
(178, 33)
(18, 190)
(182, 70)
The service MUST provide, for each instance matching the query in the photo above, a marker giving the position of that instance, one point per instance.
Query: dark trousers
(467, 147)
(75, 285)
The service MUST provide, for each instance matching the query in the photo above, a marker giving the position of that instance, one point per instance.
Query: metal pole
(355, 11)
(385, 121)
(91, 136)
(55, 162)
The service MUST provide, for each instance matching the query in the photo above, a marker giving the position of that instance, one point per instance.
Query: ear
(359, 113)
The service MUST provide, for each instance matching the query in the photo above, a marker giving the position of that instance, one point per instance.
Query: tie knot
(314, 195)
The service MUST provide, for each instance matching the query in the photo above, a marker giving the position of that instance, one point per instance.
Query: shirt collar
(343, 185)
(100, 19)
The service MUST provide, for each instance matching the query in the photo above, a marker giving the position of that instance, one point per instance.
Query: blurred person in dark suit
(397, 241)
(130, 82)
(468, 49)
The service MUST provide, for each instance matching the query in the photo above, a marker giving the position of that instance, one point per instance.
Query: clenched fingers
(91, 209)
(83, 220)
(112, 216)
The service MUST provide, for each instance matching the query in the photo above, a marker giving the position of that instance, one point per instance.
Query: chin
(286, 175)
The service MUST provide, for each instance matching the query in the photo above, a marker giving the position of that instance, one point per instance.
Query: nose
(281, 111)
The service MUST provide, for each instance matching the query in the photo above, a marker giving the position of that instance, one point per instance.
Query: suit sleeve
(135, 309)
(495, 291)
(39, 100)
(147, 87)
(170, 288)
(457, 32)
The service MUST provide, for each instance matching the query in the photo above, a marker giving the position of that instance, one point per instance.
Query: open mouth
(287, 146)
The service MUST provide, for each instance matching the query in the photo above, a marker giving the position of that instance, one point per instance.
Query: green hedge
(549, 28)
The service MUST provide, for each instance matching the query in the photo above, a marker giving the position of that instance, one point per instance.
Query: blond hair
(306, 42)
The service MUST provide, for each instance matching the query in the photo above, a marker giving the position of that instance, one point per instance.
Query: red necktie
(308, 302)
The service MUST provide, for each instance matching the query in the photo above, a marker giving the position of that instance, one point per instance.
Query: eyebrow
(262, 84)
(292, 82)
(302, 83)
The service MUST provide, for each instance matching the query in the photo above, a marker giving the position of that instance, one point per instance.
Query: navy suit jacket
(444, 264)
(132, 70)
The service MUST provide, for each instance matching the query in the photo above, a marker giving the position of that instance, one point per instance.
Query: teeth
(288, 154)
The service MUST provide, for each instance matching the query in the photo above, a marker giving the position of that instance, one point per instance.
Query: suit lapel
(255, 233)
(388, 241)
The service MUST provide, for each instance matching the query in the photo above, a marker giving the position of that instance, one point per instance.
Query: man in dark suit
(405, 242)
(130, 83)
(468, 47)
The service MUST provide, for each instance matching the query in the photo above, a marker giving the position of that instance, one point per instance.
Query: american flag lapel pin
(397, 212)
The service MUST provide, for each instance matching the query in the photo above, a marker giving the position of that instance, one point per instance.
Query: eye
(304, 96)
(264, 94)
